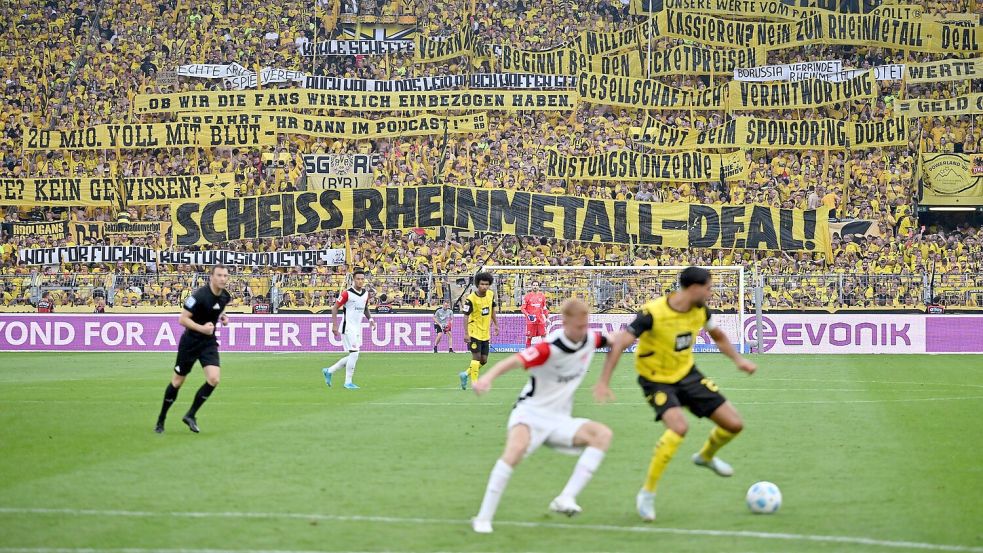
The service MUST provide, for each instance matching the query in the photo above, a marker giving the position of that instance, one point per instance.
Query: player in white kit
(355, 306)
(542, 414)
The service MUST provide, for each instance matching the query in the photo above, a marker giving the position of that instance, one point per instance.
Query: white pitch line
(187, 550)
(549, 525)
(942, 384)
(475, 403)
(156, 550)
(640, 402)
(461, 522)
(725, 388)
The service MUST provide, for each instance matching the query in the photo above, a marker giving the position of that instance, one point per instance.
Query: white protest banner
(211, 71)
(268, 75)
(788, 72)
(136, 254)
(357, 48)
(490, 81)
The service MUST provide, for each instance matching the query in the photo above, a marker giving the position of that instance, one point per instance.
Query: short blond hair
(573, 307)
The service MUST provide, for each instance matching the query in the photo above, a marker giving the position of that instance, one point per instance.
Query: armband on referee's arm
(643, 321)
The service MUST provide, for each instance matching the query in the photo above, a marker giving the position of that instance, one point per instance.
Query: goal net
(614, 295)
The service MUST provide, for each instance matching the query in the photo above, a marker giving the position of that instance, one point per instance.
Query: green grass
(879, 447)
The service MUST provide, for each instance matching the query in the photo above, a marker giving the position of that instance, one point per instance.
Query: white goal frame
(739, 269)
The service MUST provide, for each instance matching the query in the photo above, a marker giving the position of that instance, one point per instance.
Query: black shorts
(479, 347)
(438, 329)
(191, 349)
(695, 391)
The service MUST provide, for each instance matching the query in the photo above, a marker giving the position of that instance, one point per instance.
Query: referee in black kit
(202, 311)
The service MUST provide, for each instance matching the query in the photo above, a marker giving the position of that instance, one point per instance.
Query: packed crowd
(95, 58)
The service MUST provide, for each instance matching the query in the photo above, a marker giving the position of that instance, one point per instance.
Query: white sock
(350, 367)
(341, 363)
(497, 482)
(589, 460)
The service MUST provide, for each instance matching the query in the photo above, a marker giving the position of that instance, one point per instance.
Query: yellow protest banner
(559, 61)
(754, 133)
(101, 192)
(747, 95)
(84, 232)
(252, 100)
(354, 128)
(950, 179)
(148, 135)
(899, 12)
(141, 136)
(712, 31)
(634, 92)
(960, 105)
(429, 49)
(772, 10)
(503, 211)
(919, 35)
(944, 70)
(817, 26)
(636, 166)
(593, 42)
(698, 60)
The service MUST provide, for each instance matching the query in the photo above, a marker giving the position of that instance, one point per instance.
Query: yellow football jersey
(479, 311)
(665, 340)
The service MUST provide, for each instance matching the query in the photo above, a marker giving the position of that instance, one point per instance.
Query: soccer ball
(764, 498)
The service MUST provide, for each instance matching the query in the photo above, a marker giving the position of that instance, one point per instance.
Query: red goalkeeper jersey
(534, 303)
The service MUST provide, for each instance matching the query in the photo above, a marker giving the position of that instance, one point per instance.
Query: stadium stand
(77, 64)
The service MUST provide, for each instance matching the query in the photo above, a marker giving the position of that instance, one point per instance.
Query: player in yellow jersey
(480, 310)
(666, 329)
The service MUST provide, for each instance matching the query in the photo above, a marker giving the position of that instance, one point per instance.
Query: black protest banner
(289, 213)
(502, 211)
(675, 225)
(47, 229)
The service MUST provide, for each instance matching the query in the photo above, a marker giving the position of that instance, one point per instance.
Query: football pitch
(872, 453)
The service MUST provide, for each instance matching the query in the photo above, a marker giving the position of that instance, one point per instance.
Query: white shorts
(554, 430)
(352, 341)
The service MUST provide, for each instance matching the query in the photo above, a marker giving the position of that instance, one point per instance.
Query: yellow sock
(718, 439)
(473, 370)
(664, 450)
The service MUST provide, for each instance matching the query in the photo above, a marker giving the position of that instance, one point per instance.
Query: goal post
(614, 294)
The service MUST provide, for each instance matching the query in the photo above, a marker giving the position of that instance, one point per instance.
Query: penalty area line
(781, 536)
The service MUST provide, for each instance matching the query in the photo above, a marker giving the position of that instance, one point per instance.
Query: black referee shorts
(191, 349)
(694, 391)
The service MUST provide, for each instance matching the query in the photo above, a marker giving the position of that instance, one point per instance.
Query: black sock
(200, 397)
(170, 394)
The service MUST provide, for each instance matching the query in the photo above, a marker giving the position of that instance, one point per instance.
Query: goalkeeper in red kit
(535, 309)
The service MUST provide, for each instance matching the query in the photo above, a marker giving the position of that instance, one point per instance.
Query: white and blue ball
(764, 498)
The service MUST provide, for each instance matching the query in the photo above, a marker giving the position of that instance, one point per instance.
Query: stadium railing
(424, 291)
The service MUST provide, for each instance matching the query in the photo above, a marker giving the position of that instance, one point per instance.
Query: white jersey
(556, 368)
(353, 304)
